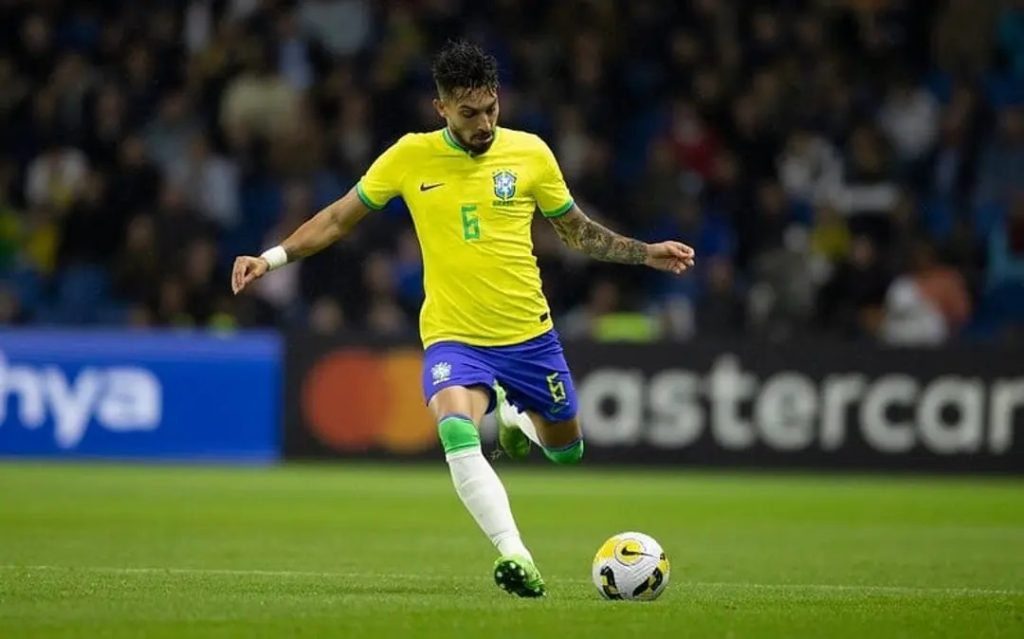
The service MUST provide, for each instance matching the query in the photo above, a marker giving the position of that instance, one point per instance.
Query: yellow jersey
(472, 215)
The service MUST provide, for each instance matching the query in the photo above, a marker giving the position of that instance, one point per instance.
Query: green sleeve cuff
(366, 199)
(562, 210)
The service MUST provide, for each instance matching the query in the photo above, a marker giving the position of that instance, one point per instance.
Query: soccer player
(472, 188)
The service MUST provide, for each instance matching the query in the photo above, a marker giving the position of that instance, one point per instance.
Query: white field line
(853, 588)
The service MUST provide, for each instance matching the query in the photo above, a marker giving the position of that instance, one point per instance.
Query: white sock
(485, 498)
(511, 415)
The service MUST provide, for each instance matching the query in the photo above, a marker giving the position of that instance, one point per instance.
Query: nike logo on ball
(626, 552)
(427, 187)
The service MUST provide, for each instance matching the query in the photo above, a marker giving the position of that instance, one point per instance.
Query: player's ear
(439, 107)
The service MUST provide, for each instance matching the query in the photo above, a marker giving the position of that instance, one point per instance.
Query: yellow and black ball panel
(608, 587)
(607, 550)
(650, 588)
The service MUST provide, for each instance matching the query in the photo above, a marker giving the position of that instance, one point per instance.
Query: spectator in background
(1002, 312)
(910, 319)
(172, 304)
(1006, 248)
(782, 296)
(56, 177)
(830, 235)
(259, 102)
(200, 277)
(868, 192)
(384, 316)
(342, 27)
(71, 82)
(198, 25)
(605, 316)
(572, 142)
(211, 182)
(40, 239)
(294, 58)
(10, 220)
(850, 302)
(909, 118)
(137, 267)
(963, 36)
(354, 133)
(90, 232)
(678, 298)
(171, 132)
(602, 298)
(721, 311)
(177, 226)
(694, 142)
(928, 304)
(660, 186)
(137, 182)
(770, 219)
(593, 184)
(107, 126)
(326, 317)
(955, 160)
(810, 168)
(142, 78)
(750, 136)
(36, 48)
(729, 197)
(1011, 35)
(14, 89)
(11, 311)
(1002, 162)
(409, 274)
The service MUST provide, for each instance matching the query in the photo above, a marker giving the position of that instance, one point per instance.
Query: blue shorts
(533, 373)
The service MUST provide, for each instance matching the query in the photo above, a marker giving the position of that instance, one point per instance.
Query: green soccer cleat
(512, 440)
(518, 576)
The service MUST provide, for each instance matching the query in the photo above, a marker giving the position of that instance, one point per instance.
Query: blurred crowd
(843, 167)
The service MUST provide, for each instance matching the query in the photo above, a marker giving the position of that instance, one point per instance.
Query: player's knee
(457, 433)
(571, 454)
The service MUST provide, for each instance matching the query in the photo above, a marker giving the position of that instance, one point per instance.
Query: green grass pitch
(356, 550)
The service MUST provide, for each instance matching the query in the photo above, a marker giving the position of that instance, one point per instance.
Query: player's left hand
(674, 257)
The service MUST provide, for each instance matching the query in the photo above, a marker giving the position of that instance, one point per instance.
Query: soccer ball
(631, 565)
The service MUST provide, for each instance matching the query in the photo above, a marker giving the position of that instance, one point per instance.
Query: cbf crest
(441, 372)
(505, 184)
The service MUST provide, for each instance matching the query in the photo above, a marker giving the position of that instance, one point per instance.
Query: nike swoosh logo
(427, 187)
(626, 552)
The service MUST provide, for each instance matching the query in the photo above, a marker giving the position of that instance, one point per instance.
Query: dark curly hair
(462, 66)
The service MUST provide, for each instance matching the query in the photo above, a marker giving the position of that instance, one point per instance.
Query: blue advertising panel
(175, 396)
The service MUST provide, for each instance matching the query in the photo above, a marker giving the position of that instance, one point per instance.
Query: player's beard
(475, 146)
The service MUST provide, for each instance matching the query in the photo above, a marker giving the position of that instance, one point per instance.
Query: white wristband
(275, 257)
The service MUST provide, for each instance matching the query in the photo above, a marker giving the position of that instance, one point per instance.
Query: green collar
(450, 140)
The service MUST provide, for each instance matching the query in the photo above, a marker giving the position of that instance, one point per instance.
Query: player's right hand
(246, 270)
(674, 257)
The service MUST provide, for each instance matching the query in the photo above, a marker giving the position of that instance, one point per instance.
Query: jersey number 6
(470, 223)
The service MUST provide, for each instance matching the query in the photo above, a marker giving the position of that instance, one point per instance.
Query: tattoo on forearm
(584, 234)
